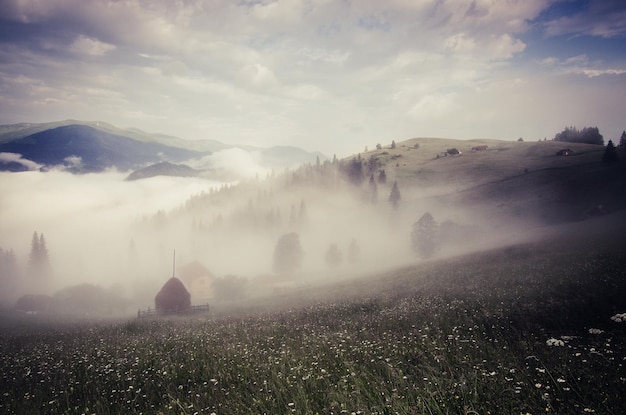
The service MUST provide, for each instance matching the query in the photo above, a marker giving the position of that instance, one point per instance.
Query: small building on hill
(173, 298)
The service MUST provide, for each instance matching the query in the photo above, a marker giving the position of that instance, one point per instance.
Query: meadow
(529, 329)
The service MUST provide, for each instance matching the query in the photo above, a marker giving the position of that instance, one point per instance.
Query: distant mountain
(82, 147)
(164, 168)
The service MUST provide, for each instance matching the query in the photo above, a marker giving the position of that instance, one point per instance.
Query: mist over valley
(112, 234)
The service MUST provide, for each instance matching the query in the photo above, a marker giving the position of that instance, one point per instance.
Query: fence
(195, 309)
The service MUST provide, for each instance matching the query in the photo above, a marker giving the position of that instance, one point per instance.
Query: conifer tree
(354, 252)
(424, 236)
(373, 190)
(382, 177)
(610, 153)
(38, 261)
(334, 257)
(394, 196)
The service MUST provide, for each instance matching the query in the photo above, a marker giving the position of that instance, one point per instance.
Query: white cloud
(17, 158)
(321, 74)
(88, 46)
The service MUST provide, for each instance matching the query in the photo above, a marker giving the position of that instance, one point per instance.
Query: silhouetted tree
(382, 177)
(394, 196)
(354, 252)
(288, 254)
(424, 236)
(354, 171)
(334, 257)
(610, 153)
(589, 135)
(373, 190)
(393, 144)
(622, 140)
(38, 261)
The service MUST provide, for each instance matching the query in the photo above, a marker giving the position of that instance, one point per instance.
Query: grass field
(529, 329)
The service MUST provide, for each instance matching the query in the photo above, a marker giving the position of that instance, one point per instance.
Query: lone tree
(424, 236)
(610, 153)
(622, 140)
(354, 252)
(38, 261)
(288, 254)
(334, 257)
(394, 196)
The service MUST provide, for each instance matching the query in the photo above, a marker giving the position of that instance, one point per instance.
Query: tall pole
(174, 265)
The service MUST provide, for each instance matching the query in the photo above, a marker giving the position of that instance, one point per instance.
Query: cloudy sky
(321, 74)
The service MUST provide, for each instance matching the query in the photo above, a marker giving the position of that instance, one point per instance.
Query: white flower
(595, 331)
(554, 342)
(619, 318)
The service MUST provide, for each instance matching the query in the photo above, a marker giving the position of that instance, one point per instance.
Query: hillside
(519, 180)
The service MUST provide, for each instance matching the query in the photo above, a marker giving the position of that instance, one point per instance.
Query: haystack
(173, 298)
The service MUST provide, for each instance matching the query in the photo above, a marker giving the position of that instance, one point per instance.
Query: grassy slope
(522, 181)
(504, 331)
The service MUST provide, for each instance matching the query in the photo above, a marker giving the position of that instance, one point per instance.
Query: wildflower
(560, 380)
(538, 385)
(595, 331)
(554, 342)
(619, 318)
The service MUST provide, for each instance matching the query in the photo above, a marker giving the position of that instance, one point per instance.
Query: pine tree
(354, 252)
(424, 236)
(38, 261)
(33, 259)
(394, 196)
(334, 257)
(373, 190)
(622, 140)
(382, 177)
(610, 153)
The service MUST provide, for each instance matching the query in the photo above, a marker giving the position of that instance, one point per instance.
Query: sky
(332, 76)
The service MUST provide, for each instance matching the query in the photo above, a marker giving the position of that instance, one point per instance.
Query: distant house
(480, 148)
(564, 152)
(453, 151)
(173, 298)
(198, 280)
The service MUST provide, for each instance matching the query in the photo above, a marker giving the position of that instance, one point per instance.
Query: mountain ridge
(93, 146)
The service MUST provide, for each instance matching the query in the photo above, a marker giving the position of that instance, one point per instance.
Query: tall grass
(516, 331)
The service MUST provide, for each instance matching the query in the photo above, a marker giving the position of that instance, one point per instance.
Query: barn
(173, 298)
